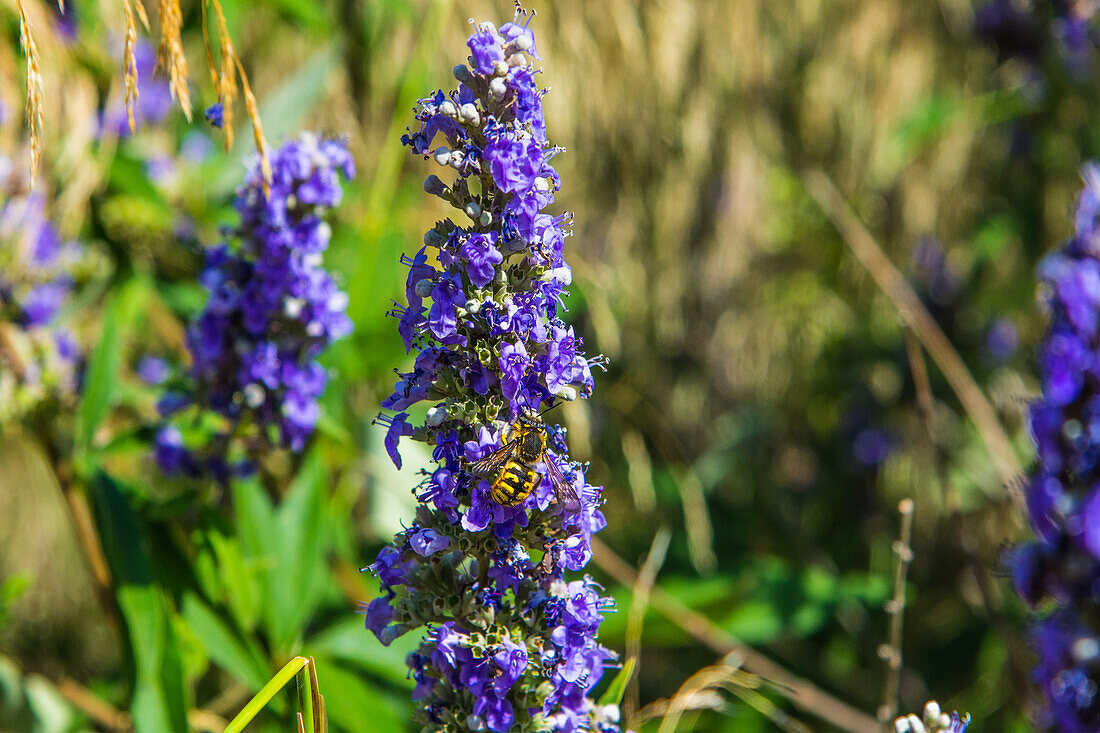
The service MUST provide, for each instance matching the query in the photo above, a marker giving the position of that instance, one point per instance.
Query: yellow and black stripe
(514, 484)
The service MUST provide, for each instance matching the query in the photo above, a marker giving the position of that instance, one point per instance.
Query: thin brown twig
(891, 652)
(802, 693)
(950, 499)
(917, 317)
(92, 705)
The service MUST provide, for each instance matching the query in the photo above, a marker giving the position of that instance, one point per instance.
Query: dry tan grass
(170, 56)
(34, 113)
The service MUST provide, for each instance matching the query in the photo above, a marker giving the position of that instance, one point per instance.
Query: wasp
(511, 467)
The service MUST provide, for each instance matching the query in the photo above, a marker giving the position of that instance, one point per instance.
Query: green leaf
(223, 645)
(617, 688)
(160, 698)
(289, 546)
(304, 12)
(754, 622)
(297, 580)
(120, 313)
(242, 589)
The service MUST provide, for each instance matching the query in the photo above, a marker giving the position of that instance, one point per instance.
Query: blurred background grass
(759, 402)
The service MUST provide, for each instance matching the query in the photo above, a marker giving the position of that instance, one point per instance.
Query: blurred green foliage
(749, 355)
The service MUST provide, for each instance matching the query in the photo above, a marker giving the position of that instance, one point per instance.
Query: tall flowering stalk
(510, 644)
(272, 310)
(39, 358)
(1059, 572)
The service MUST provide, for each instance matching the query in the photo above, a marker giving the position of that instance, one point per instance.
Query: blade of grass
(263, 697)
(305, 700)
(318, 704)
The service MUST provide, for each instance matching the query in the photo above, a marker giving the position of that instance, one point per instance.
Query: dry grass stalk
(225, 77)
(170, 54)
(139, 6)
(257, 126)
(34, 89)
(802, 693)
(891, 652)
(129, 61)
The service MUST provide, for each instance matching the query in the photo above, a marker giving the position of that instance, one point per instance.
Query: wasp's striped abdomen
(515, 483)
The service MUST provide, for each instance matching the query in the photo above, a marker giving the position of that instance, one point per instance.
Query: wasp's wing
(490, 464)
(564, 490)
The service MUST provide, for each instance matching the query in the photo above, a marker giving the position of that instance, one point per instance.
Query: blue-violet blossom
(39, 357)
(1059, 572)
(272, 310)
(510, 643)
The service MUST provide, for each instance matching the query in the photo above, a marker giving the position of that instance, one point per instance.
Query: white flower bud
(313, 259)
(435, 416)
(500, 68)
(469, 113)
(932, 712)
(424, 287)
(253, 395)
(1085, 650)
(473, 210)
(314, 329)
(338, 302)
(457, 158)
(566, 393)
(485, 219)
(447, 108)
(473, 305)
(524, 43)
(563, 274)
(292, 306)
(442, 155)
(542, 184)
(497, 87)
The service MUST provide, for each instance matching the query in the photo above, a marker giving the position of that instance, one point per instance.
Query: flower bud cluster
(272, 309)
(510, 644)
(1061, 568)
(39, 359)
(933, 720)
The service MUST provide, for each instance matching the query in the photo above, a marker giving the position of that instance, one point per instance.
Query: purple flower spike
(482, 314)
(273, 307)
(1061, 569)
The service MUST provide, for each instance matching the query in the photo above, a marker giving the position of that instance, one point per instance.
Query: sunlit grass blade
(320, 722)
(305, 700)
(263, 697)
